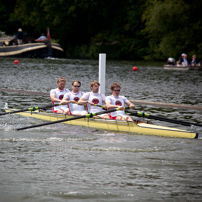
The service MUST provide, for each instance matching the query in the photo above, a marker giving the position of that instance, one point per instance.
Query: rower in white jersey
(116, 101)
(71, 98)
(57, 95)
(93, 98)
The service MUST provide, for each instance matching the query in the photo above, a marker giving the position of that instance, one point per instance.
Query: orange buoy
(16, 62)
(135, 69)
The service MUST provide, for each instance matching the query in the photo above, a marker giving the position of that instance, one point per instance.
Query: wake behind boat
(111, 125)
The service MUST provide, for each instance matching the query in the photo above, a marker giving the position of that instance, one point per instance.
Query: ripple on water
(61, 162)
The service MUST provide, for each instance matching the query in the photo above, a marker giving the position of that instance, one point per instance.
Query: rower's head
(94, 86)
(61, 83)
(76, 86)
(115, 88)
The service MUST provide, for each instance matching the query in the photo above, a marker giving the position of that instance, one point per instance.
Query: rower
(57, 95)
(116, 101)
(94, 98)
(71, 99)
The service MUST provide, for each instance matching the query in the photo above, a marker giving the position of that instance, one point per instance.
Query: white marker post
(102, 70)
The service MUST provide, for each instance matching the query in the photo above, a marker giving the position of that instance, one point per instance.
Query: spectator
(42, 38)
(19, 36)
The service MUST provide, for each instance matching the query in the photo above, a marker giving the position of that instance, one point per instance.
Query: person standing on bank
(92, 98)
(19, 36)
(116, 101)
(57, 95)
(71, 98)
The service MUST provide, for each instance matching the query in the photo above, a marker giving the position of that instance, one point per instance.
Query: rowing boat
(181, 68)
(32, 50)
(112, 125)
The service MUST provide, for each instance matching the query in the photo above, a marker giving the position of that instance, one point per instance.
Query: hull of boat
(181, 68)
(114, 125)
(32, 50)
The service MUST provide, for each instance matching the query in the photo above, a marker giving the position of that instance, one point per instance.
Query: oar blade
(30, 109)
(149, 116)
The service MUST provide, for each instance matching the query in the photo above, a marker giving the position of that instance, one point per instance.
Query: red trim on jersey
(112, 117)
(54, 111)
(87, 102)
(69, 110)
(88, 95)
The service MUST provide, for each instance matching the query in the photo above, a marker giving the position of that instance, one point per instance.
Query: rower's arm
(110, 106)
(65, 101)
(54, 99)
(130, 104)
(82, 101)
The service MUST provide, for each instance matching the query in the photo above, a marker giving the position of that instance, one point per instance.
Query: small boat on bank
(181, 67)
(31, 50)
(112, 125)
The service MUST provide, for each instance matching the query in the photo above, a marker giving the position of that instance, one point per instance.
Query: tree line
(124, 29)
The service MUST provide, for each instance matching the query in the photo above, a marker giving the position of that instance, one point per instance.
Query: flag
(48, 34)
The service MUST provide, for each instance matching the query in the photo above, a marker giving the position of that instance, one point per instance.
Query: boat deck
(35, 50)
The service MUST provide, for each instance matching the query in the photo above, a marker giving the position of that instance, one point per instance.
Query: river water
(70, 163)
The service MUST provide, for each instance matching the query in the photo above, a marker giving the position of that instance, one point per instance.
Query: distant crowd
(184, 61)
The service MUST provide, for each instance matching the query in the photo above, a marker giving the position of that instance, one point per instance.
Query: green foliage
(199, 50)
(132, 29)
(6, 9)
(170, 27)
(82, 24)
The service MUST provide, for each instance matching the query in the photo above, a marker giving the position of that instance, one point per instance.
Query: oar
(70, 119)
(30, 109)
(149, 116)
(103, 106)
(37, 108)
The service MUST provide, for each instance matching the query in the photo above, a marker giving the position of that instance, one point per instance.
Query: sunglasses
(117, 90)
(77, 86)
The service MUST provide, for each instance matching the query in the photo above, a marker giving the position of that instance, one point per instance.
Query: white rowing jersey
(120, 101)
(96, 98)
(75, 108)
(59, 94)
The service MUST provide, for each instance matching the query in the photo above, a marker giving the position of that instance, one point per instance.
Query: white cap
(183, 54)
